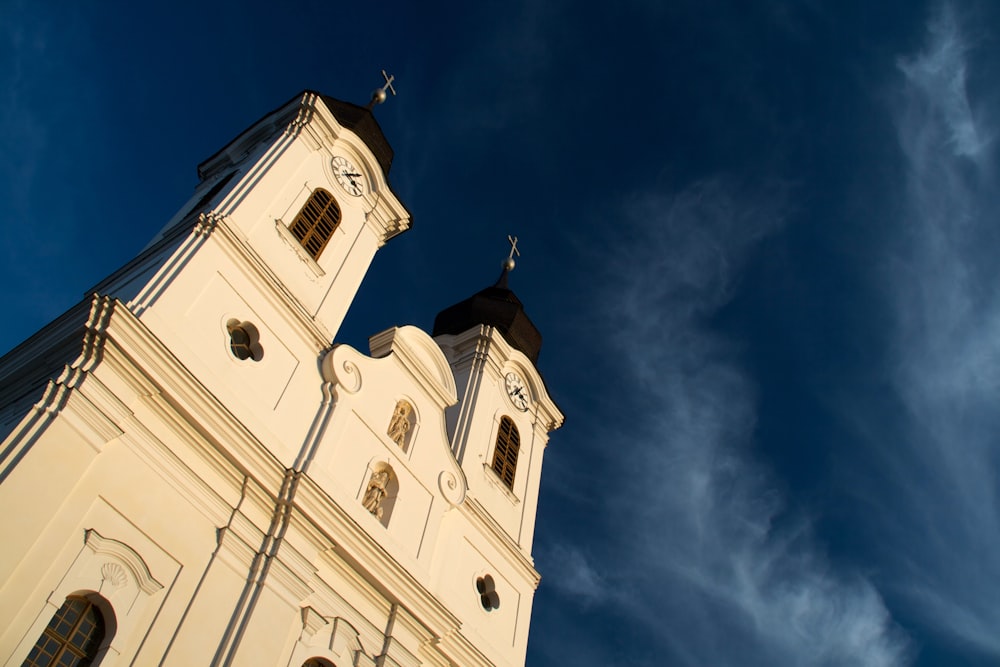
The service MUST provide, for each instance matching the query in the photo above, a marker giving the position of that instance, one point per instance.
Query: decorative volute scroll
(452, 487)
(340, 368)
(401, 424)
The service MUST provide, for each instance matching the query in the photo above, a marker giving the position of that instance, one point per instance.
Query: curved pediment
(421, 356)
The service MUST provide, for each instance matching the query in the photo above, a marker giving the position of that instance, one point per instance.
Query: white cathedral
(192, 473)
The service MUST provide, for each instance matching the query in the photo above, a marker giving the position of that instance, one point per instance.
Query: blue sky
(760, 243)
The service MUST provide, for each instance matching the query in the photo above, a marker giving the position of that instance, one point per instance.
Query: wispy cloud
(578, 577)
(940, 515)
(703, 553)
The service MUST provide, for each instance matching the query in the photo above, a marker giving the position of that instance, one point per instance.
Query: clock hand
(350, 177)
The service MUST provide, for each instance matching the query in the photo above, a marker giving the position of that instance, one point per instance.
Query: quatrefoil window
(487, 593)
(244, 341)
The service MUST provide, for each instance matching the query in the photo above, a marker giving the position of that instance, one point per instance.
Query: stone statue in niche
(399, 425)
(375, 493)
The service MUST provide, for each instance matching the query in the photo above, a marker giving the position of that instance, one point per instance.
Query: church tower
(201, 476)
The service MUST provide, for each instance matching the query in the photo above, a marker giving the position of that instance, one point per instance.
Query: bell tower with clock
(500, 426)
(204, 476)
(267, 256)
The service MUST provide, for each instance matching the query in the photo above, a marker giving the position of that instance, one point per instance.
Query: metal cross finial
(513, 247)
(389, 78)
(509, 262)
(378, 95)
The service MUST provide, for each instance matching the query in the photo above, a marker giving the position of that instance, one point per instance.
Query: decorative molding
(306, 111)
(452, 488)
(114, 574)
(484, 343)
(312, 621)
(388, 216)
(385, 226)
(480, 517)
(207, 223)
(125, 554)
(246, 258)
(494, 479)
(339, 367)
(355, 544)
(214, 435)
(421, 357)
(293, 244)
(92, 418)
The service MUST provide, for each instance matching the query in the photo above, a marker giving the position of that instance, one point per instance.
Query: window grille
(505, 454)
(72, 637)
(316, 222)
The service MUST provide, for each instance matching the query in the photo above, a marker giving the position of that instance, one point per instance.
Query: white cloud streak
(703, 555)
(941, 518)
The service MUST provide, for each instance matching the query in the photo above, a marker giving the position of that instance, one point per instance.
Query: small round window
(244, 341)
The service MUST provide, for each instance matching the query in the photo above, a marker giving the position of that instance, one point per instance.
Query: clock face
(348, 176)
(516, 390)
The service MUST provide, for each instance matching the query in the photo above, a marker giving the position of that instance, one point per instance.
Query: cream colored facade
(310, 502)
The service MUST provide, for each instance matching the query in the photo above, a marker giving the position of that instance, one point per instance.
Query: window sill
(294, 244)
(493, 478)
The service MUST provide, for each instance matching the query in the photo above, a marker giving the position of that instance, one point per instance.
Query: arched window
(72, 637)
(317, 662)
(316, 222)
(505, 454)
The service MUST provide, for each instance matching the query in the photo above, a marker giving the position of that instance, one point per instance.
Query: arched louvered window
(316, 222)
(505, 454)
(72, 637)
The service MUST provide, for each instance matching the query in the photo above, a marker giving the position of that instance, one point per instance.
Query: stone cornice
(131, 351)
(385, 214)
(462, 651)
(474, 511)
(27, 367)
(235, 245)
(499, 354)
(366, 556)
(421, 358)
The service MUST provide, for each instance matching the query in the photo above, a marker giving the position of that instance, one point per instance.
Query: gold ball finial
(378, 95)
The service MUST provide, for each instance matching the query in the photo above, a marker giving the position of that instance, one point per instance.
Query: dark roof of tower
(355, 118)
(495, 306)
(361, 121)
